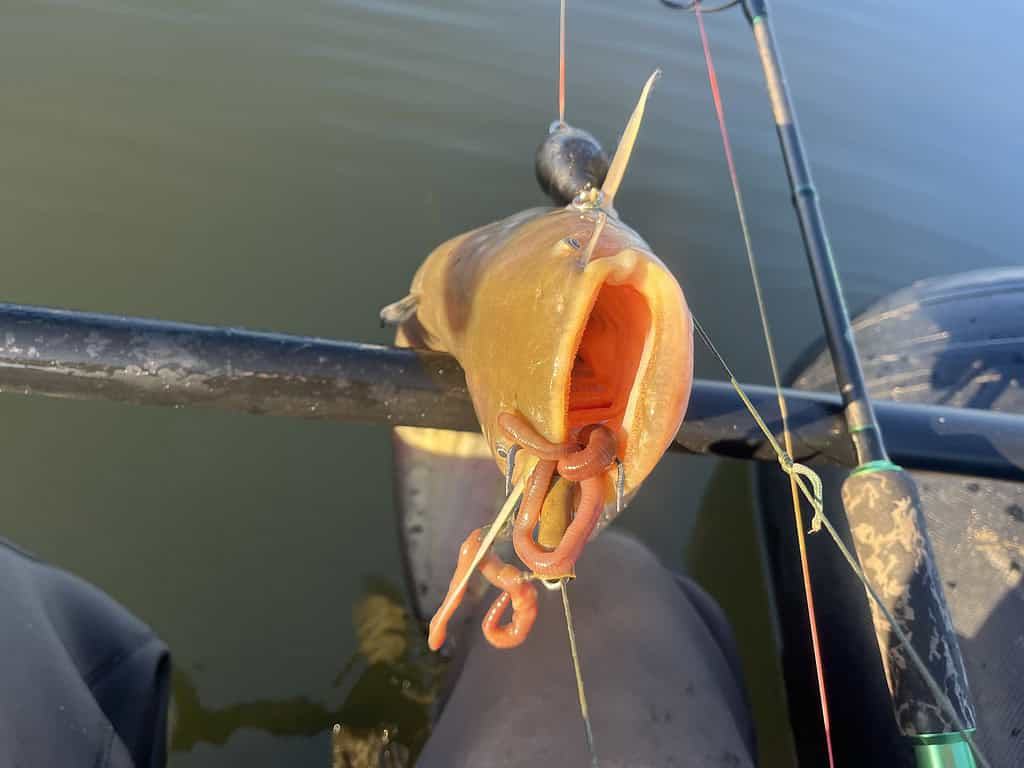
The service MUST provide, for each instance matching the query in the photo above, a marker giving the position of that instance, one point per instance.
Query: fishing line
(584, 712)
(510, 459)
(511, 502)
(623, 159)
(798, 472)
(819, 669)
(561, 64)
(582, 262)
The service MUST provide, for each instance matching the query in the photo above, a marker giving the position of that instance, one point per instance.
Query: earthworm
(516, 589)
(515, 428)
(583, 465)
(597, 456)
(560, 560)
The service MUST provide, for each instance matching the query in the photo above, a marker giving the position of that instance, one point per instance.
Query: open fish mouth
(571, 345)
(631, 361)
(608, 357)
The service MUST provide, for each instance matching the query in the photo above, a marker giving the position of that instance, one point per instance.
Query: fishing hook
(510, 466)
(620, 485)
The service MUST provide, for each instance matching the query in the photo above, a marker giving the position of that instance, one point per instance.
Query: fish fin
(621, 158)
(400, 311)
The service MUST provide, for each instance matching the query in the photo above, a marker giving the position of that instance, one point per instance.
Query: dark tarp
(82, 681)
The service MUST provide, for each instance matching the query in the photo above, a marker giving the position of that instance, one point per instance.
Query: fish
(577, 345)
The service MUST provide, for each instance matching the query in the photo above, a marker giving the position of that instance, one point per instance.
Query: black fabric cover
(82, 681)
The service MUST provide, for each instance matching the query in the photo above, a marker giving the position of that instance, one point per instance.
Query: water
(287, 165)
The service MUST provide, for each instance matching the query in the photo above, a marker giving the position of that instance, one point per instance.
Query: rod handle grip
(888, 527)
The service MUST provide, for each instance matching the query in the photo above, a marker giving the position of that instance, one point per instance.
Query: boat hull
(955, 341)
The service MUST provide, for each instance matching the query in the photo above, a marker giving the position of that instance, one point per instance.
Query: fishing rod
(880, 498)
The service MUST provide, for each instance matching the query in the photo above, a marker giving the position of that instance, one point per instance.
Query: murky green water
(287, 165)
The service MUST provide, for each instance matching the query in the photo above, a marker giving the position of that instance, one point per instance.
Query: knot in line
(797, 471)
(588, 198)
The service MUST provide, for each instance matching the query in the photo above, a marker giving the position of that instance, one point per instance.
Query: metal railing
(84, 355)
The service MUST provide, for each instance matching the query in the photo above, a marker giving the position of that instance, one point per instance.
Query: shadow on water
(391, 683)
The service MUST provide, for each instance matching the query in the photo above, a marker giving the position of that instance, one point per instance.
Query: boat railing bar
(83, 355)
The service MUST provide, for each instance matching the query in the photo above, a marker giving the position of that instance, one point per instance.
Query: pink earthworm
(515, 428)
(583, 465)
(517, 590)
(516, 587)
(598, 455)
(560, 560)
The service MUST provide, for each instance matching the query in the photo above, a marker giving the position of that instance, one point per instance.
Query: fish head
(564, 332)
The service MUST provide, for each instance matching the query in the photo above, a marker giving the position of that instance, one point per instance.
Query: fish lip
(625, 268)
(644, 444)
(642, 271)
(655, 404)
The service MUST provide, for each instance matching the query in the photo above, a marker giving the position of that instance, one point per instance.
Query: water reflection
(391, 682)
